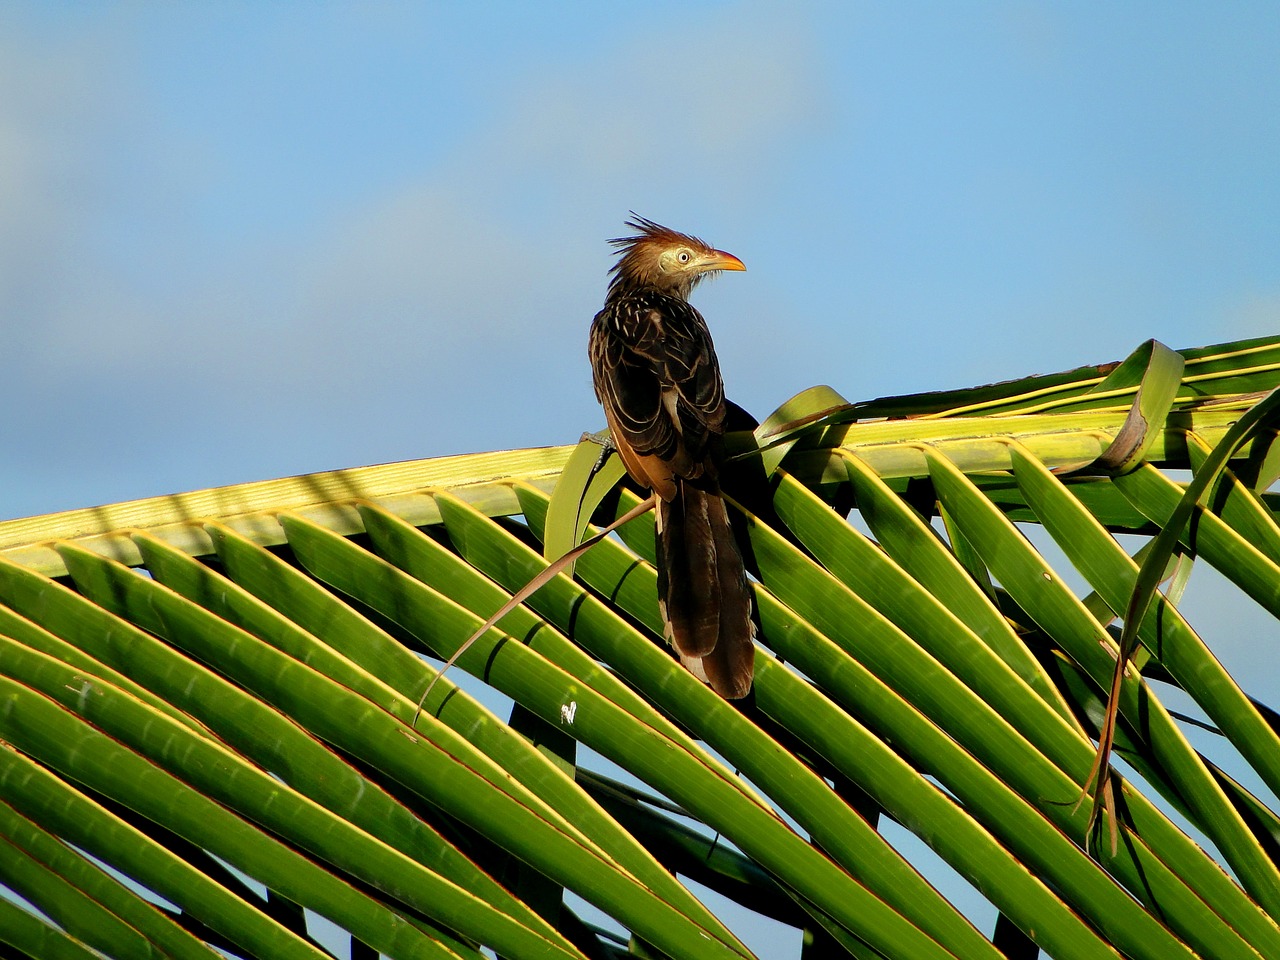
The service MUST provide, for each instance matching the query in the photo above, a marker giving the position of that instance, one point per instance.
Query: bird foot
(607, 446)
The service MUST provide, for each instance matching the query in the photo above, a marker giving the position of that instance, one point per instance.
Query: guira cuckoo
(657, 377)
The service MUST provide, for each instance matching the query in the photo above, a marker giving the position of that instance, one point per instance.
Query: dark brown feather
(657, 377)
(703, 589)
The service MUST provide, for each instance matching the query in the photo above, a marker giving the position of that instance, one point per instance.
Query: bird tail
(703, 589)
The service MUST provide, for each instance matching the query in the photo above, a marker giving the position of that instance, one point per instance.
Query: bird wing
(657, 377)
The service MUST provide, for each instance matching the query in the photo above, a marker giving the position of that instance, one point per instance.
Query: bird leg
(607, 446)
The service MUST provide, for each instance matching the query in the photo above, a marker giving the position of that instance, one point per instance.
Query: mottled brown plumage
(657, 377)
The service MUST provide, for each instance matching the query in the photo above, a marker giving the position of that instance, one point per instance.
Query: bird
(656, 375)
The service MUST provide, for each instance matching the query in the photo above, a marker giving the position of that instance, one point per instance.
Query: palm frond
(209, 699)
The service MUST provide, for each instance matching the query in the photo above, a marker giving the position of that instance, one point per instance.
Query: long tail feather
(703, 589)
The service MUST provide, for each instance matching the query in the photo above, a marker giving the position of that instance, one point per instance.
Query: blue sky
(241, 241)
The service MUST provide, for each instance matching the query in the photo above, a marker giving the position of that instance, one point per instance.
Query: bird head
(658, 258)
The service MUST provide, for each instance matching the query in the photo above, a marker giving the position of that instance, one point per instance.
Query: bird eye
(684, 256)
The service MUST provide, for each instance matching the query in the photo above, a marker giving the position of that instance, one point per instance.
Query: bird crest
(655, 233)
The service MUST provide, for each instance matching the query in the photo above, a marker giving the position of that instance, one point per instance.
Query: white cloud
(476, 277)
(494, 259)
(51, 112)
(513, 221)
(685, 110)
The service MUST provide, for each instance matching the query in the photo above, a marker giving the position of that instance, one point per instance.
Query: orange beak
(719, 260)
